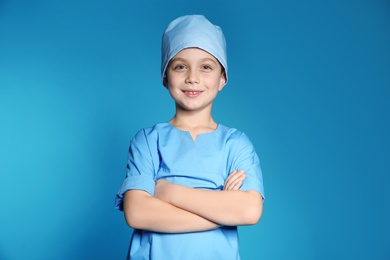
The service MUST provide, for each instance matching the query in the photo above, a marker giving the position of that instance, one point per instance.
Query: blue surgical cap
(192, 31)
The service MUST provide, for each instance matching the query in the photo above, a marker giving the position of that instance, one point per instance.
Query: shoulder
(152, 132)
(233, 135)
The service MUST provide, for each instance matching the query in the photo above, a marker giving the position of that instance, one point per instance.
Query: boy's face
(194, 78)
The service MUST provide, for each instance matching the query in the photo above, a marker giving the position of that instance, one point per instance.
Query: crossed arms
(175, 208)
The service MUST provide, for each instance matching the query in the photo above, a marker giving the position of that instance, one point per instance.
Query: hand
(161, 189)
(234, 180)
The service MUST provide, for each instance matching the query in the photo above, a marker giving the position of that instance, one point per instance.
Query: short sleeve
(247, 159)
(139, 170)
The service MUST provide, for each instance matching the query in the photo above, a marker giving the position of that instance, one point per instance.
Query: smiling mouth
(192, 94)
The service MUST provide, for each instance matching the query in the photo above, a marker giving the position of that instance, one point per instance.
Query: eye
(207, 67)
(178, 67)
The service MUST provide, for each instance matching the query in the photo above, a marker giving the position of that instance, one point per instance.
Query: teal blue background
(308, 82)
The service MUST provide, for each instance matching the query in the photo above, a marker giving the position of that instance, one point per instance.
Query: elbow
(253, 211)
(136, 217)
(252, 216)
(132, 219)
(134, 214)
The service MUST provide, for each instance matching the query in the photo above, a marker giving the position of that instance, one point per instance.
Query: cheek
(172, 80)
(172, 84)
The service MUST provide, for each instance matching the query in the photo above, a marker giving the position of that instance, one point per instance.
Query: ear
(222, 81)
(165, 81)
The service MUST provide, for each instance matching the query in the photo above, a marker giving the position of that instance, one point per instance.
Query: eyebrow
(202, 60)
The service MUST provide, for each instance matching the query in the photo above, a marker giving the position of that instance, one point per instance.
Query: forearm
(228, 207)
(143, 211)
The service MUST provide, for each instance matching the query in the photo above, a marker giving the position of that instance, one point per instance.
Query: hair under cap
(192, 31)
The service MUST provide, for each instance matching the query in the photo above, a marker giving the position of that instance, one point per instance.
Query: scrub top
(164, 151)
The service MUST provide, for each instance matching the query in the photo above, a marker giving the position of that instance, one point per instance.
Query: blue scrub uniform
(163, 151)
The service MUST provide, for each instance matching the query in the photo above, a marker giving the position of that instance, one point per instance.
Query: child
(191, 181)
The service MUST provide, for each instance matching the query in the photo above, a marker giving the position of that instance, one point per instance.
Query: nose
(192, 77)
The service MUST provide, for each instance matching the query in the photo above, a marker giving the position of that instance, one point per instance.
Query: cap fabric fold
(192, 31)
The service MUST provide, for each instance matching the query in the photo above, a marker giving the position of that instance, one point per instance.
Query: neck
(189, 120)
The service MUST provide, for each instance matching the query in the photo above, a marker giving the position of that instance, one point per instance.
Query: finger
(233, 182)
(228, 179)
(235, 175)
(234, 186)
(238, 182)
(232, 179)
(237, 185)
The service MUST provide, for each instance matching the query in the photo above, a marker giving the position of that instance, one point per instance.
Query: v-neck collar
(189, 133)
